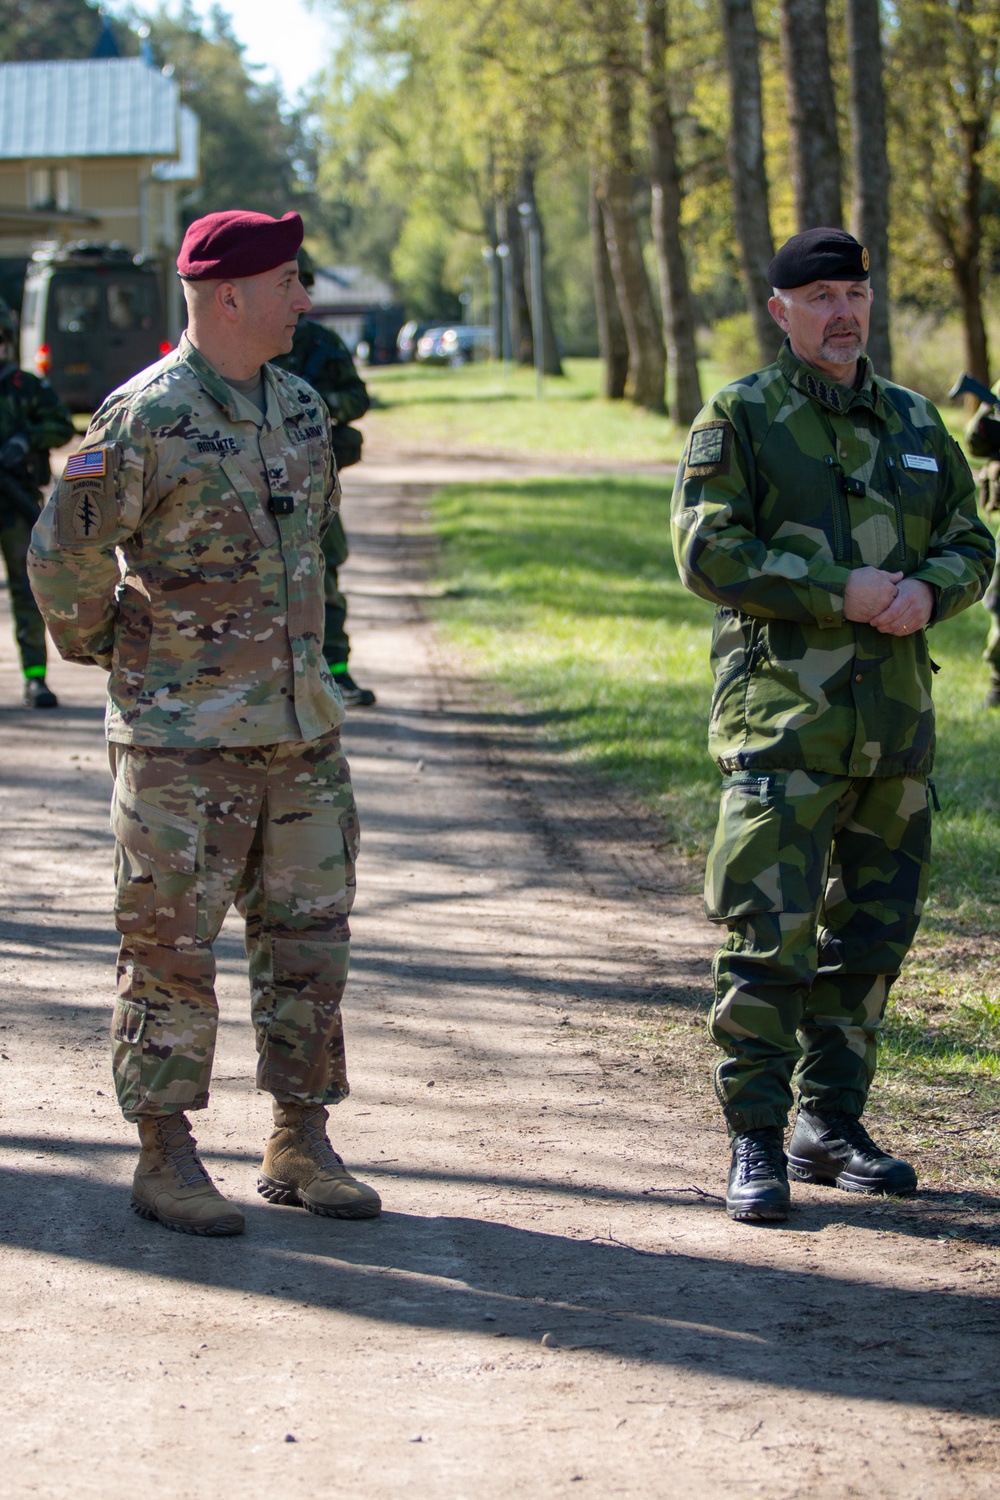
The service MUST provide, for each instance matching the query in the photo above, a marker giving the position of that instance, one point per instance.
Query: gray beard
(839, 355)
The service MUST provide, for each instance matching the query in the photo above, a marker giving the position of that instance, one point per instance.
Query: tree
(747, 168)
(812, 113)
(675, 292)
(252, 156)
(610, 328)
(870, 165)
(53, 30)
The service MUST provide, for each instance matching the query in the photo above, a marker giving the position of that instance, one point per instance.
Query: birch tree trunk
(870, 165)
(747, 169)
(812, 114)
(675, 291)
(611, 336)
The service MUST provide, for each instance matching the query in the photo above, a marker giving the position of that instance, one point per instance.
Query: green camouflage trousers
(272, 829)
(336, 646)
(821, 880)
(29, 627)
(991, 600)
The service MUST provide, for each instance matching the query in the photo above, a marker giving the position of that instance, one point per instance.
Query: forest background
(661, 147)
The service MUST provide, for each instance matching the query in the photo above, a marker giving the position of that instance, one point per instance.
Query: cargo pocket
(742, 875)
(350, 827)
(128, 1024)
(156, 858)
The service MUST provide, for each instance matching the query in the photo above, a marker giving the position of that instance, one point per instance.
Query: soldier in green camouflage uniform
(983, 437)
(32, 421)
(212, 480)
(320, 356)
(829, 517)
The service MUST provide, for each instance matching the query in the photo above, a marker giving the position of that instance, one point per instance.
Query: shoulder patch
(87, 502)
(708, 449)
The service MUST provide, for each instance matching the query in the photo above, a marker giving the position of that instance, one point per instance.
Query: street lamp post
(494, 312)
(529, 220)
(503, 255)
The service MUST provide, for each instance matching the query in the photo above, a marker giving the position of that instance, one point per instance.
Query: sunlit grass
(564, 594)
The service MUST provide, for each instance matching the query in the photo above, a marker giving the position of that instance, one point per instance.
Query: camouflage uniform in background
(983, 436)
(320, 356)
(223, 718)
(823, 728)
(30, 411)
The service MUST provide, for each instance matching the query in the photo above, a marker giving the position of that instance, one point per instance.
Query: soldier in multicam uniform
(210, 476)
(32, 421)
(983, 437)
(830, 518)
(320, 356)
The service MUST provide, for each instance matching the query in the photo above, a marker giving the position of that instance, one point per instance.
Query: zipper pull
(934, 796)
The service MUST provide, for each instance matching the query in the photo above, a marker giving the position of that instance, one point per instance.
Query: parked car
(91, 317)
(458, 345)
(409, 334)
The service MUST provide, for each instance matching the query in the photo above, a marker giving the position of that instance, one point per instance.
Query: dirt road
(554, 1302)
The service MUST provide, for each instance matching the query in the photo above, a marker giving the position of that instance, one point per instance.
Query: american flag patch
(92, 465)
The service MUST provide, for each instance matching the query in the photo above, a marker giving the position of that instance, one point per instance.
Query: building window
(52, 187)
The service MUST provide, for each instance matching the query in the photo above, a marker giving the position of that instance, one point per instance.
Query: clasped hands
(893, 604)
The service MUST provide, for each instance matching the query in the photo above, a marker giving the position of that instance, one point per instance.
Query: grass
(564, 594)
(479, 410)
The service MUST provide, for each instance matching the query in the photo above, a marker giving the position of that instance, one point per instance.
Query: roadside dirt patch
(554, 1301)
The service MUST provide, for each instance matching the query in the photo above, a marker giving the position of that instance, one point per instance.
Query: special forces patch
(87, 508)
(708, 449)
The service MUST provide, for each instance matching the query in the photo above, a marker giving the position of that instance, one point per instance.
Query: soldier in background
(209, 477)
(320, 356)
(33, 420)
(983, 437)
(830, 518)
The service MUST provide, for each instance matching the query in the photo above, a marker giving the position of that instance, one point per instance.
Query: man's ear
(228, 300)
(778, 311)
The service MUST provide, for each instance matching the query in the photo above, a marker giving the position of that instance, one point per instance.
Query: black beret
(226, 246)
(818, 255)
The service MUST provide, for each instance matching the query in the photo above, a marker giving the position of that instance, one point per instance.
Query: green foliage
(252, 156)
(52, 30)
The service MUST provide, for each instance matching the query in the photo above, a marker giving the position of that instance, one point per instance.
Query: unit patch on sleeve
(708, 449)
(87, 498)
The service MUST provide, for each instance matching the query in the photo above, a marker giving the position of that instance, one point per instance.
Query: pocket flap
(161, 837)
(128, 1022)
(261, 520)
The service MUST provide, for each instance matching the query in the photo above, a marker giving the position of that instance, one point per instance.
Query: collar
(827, 393)
(278, 408)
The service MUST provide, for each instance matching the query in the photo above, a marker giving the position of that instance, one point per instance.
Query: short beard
(838, 354)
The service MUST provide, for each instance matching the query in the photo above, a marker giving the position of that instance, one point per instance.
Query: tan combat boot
(171, 1185)
(301, 1167)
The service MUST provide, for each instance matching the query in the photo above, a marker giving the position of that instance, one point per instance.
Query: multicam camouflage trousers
(272, 829)
(821, 881)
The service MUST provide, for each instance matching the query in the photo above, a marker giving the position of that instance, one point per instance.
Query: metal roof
(187, 167)
(116, 106)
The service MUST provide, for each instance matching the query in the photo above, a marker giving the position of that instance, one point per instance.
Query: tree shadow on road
(807, 1331)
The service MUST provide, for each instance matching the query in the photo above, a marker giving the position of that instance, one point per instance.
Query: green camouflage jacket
(321, 357)
(212, 627)
(786, 484)
(31, 408)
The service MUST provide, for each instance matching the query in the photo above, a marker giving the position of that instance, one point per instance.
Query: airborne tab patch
(86, 502)
(708, 449)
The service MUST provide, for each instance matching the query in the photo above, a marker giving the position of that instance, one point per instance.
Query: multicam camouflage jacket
(788, 483)
(181, 550)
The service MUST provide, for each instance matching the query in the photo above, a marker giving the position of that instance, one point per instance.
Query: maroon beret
(225, 246)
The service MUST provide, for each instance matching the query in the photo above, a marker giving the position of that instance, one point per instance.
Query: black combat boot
(836, 1149)
(758, 1181)
(37, 694)
(353, 695)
